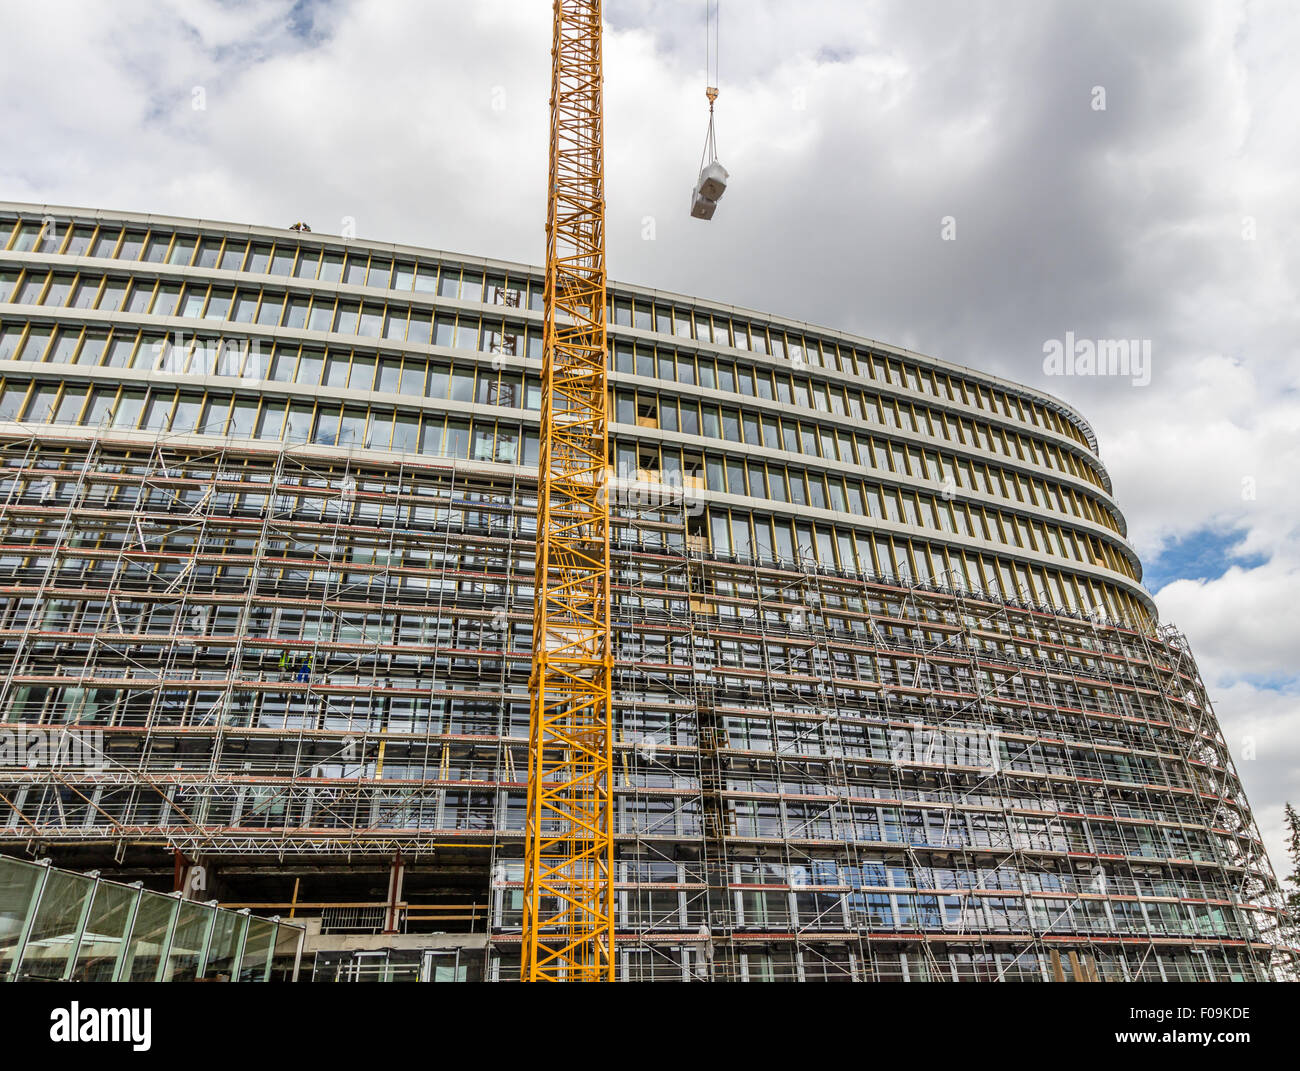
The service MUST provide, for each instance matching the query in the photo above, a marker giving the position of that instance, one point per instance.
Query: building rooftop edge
(1060, 406)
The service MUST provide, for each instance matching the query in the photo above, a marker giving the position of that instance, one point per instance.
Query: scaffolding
(278, 653)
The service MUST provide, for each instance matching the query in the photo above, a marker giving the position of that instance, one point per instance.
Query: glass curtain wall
(59, 926)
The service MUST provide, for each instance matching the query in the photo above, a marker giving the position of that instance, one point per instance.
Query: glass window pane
(405, 433)
(182, 250)
(287, 940)
(101, 943)
(127, 414)
(282, 264)
(363, 373)
(257, 950)
(269, 313)
(271, 422)
(327, 427)
(331, 268)
(232, 257)
(186, 952)
(209, 253)
(18, 884)
(148, 936)
(227, 935)
(299, 425)
(308, 262)
(258, 259)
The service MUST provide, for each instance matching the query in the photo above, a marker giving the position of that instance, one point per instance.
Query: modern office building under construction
(891, 702)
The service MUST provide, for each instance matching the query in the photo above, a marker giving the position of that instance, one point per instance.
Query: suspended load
(712, 183)
(711, 186)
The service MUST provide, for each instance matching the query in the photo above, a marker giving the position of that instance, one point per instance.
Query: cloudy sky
(1119, 170)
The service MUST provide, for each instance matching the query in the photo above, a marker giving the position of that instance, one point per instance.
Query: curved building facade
(891, 700)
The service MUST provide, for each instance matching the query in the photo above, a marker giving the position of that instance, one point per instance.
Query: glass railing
(56, 925)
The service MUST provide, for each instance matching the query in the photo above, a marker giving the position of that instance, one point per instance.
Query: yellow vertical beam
(568, 930)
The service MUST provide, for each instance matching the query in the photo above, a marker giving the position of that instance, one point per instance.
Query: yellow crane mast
(568, 925)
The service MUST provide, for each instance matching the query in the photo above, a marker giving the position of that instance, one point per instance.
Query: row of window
(199, 301)
(318, 485)
(469, 382)
(767, 538)
(286, 258)
(363, 268)
(333, 424)
(816, 439)
(825, 397)
(93, 347)
(185, 412)
(917, 509)
(305, 366)
(400, 323)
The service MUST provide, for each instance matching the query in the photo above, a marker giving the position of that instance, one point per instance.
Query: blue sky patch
(1205, 554)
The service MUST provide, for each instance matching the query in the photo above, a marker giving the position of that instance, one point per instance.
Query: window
(298, 427)
(157, 415)
(352, 430)
(182, 249)
(245, 307)
(731, 425)
(92, 348)
(295, 315)
(9, 337)
(345, 319)
(114, 291)
(462, 383)
(70, 405)
(243, 417)
(139, 301)
(282, 262)
(371, 321)
(363, 373)
(331, 268)
(79, 242)
(420, 327)
(57, 294)
(308, 264)
(258, 259)
(336, 371)
(457, 441)
(322, 314)
(192, 304)
(482, 442)
(707, 378)
(406, 432)
(270, 424)
(106, 242)
(309, 367)
(395, 323)
(269, 313)
(38, 338)
(232, 256)
(413, 376)
(326, 431)
(119, 351)
(65, 345)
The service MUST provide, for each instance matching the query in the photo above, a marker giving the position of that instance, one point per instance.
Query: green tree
(1293, 850)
